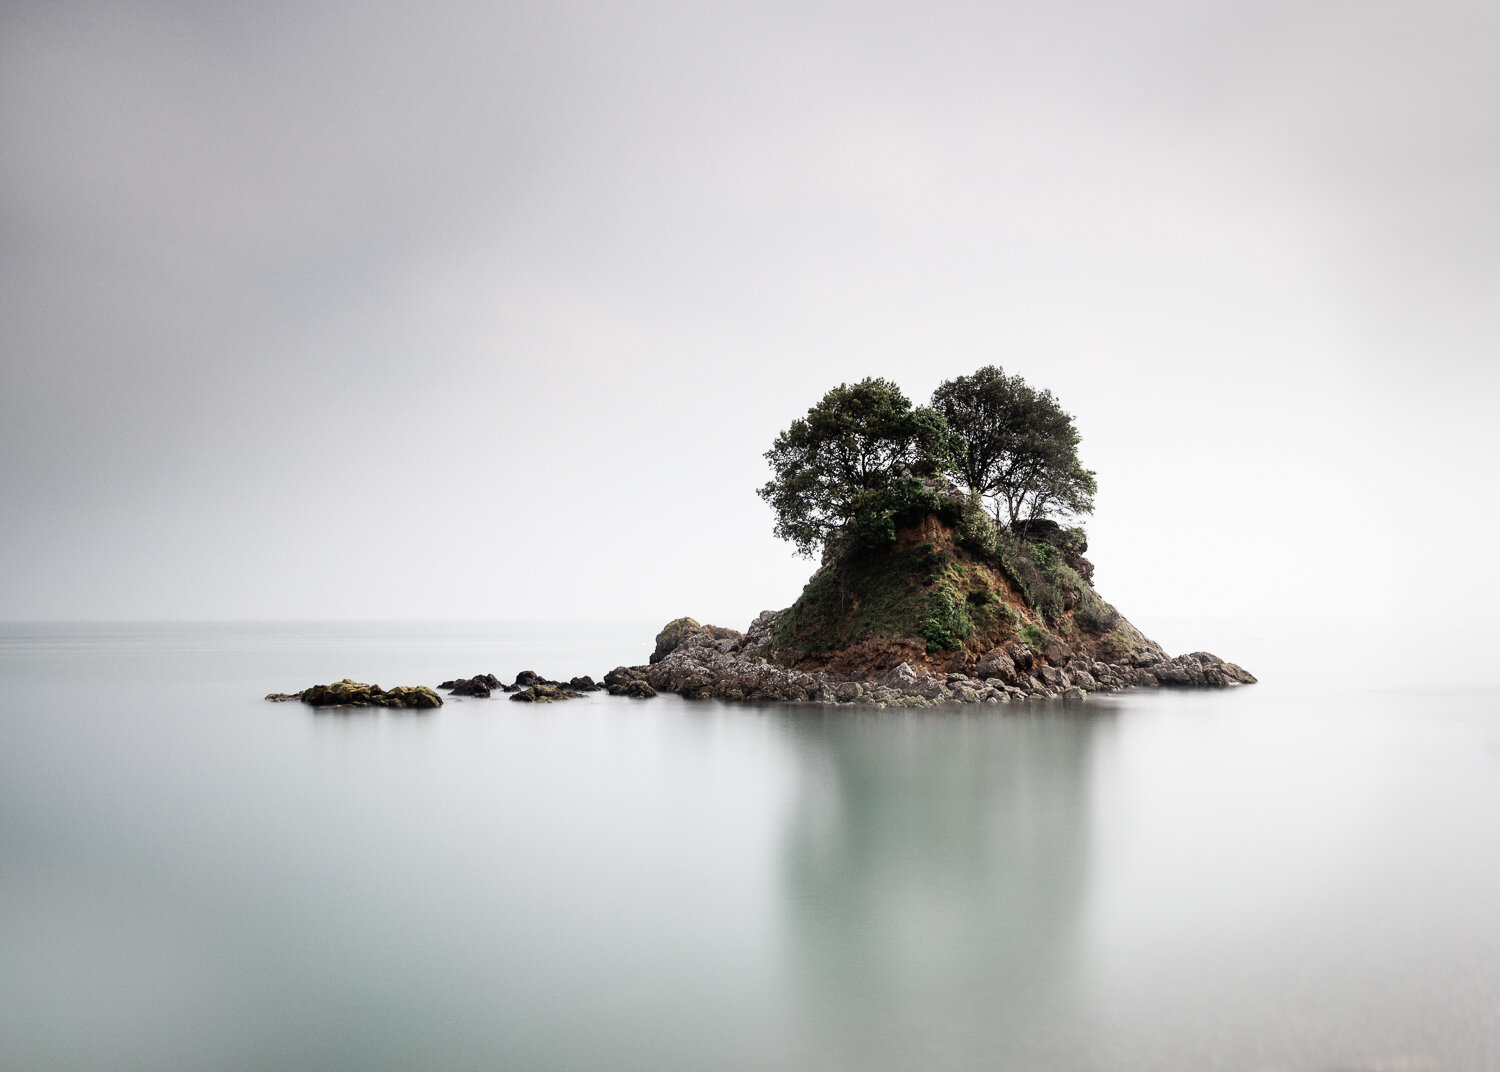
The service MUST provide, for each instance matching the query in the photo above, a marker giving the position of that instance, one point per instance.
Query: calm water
(1304, 874)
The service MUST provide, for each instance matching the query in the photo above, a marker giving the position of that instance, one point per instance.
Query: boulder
(635, 688)
(540, 693)
(583, 684)
(672, 635)
(901, 677)
(997, 663)
(1056, 652)
(1021, 655)
(1052, 677)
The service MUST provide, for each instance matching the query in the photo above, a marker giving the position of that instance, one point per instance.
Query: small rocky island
(926, 593)
(934, 617)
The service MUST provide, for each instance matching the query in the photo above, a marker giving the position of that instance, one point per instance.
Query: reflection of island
(935, 867)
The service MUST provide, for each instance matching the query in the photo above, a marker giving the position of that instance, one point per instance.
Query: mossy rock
(672, 634)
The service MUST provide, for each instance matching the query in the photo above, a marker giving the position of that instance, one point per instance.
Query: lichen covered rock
(350, 693)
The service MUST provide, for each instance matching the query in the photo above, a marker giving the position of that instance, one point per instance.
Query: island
(948, 571)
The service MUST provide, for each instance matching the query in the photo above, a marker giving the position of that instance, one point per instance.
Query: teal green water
(1298, 875)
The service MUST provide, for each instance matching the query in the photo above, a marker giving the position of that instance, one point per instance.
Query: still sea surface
(1298, 875)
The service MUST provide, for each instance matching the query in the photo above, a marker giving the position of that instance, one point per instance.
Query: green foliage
(855, 459)
(1020, 449)
(976, 530)
(863, 592)
(1093, 615)
(1034, 636)
(946, 625)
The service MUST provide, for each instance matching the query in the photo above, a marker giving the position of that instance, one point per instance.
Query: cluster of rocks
(348, 693)
(697, 661)
(529, 687)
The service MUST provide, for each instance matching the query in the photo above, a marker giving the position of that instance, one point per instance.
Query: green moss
(1034, 636)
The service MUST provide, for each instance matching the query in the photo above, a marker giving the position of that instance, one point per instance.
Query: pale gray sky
(473, 310)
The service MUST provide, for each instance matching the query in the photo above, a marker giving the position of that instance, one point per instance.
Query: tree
(840, 461)
(1021, 449)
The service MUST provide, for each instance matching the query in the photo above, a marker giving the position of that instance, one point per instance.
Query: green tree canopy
(1020, 447)
(837, 462)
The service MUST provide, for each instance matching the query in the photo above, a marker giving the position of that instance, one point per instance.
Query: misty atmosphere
(401, 343)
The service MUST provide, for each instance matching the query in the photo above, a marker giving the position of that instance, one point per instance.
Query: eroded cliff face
(935, 600)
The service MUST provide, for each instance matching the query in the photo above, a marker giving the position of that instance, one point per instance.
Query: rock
(283, 697)
(349, 693)
(478, 685)
(583, 684)
(414, 696)
(1084, 680)
(1056, 652)
(671, 635)
(636, 688)
(1021, 655)
(540, 693)
(623, 674)
(524, 680)
(1073, 695)
(997, 663)
(759, 633)
(900, 677)
(1052, 677)
(1239, 675)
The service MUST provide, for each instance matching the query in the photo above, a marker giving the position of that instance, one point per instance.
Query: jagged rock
(671, 635)
(1238, 674)
(540, 693)
(283, 697)
(583, 684)
(524, 680)
(759, 633)
(413, 696)
(997, 663)
(1056, 652)
(899, 676)
(636, 688)
(1052, 677)
(350, 693)
(1021, 655)
(479, 685)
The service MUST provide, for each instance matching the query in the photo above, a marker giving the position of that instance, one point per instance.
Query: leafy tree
(854, 450)
(1021, 449)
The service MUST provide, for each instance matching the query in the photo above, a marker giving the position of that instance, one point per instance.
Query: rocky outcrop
(679, 629)
(703, 662)
(479, 685)
(349, 693)
(544, 693)
(629, 681)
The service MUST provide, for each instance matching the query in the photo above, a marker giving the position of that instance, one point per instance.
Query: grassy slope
(931, 595)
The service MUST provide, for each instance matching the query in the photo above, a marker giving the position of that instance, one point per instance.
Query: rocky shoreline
(713, 662)
(697, 661)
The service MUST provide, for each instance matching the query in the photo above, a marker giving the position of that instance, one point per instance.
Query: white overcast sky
(478, 310)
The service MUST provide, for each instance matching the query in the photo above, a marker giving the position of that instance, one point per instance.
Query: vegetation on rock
(1020, 448)
(855, 458)
(912, 566)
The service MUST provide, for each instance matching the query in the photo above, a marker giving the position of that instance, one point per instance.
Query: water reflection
(935, 867)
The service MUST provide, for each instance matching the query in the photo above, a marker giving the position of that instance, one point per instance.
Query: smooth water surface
(1302, 874)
